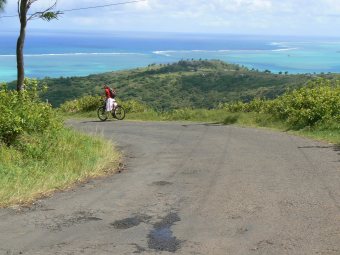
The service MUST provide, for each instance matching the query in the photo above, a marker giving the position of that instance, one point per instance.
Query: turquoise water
(79, 55)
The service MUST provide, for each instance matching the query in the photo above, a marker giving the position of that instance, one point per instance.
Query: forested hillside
(196, 84)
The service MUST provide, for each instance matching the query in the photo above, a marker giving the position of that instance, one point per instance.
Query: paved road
(191, 189)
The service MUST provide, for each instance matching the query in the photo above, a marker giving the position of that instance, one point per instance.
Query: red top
(107, 93)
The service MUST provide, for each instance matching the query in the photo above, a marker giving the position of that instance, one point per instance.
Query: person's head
(105, 87)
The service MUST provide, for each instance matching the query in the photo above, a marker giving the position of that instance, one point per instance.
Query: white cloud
(224, 16)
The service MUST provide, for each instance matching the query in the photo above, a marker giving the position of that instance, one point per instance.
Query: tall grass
(42, 163)
(37, 154)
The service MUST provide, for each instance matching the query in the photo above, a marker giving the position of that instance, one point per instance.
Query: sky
(260, 17)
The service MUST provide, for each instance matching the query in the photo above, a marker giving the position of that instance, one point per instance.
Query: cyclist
(110, 94)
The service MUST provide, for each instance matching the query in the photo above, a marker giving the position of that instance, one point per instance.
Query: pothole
(130, 222)
(161, 237)
(162, 183)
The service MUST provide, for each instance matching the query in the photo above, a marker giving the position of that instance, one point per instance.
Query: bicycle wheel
(119, 113)
(102, 114)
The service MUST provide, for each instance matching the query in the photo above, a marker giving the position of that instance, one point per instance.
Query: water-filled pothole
(161, 237)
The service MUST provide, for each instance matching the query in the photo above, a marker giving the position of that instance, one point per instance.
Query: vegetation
(2, 4)
(32, 134)
(83, 104)
(38, 164)
(186, 84)
(314, 105)
(312, 110)
(24, 113)
(91, 103)
(37, 154)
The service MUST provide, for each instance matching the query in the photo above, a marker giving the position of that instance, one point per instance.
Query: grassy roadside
(39, 164)
(251, 119)
(326, 135)
(261, 120)
(38, 155)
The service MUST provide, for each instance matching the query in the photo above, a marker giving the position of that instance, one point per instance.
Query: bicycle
(117, 112)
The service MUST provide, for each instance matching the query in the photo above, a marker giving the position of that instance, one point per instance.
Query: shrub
(91, 103)
(238, 106)
(314, 104)
(24, 113)
(256, 105)
(230, 119)
(83, 104)
(134, 106)
(179, 114)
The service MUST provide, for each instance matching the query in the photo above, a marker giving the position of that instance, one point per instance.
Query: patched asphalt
(191, 188)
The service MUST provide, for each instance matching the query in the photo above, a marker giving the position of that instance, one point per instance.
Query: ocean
(56, 55)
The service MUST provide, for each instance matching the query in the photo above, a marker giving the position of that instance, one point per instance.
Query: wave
(75, 54)
(282, 44)
(163, 52)
(286, 49)
(168, 52)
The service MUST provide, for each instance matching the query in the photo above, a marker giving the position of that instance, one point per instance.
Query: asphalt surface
(191, 188)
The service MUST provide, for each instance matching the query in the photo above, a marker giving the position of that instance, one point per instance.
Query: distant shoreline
(81, 55)
(142, 67)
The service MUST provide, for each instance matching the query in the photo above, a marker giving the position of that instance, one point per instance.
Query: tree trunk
(20, 60)
(23, 8)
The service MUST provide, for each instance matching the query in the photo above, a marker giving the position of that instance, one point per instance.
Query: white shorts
(110, 102)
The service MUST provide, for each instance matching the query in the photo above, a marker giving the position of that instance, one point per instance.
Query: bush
(91, 103)
(83, 104)
(134, 106)
(179, 114)
(24, 113)
(238, 106)
(316, 103)
(230, 119)
(256, 105)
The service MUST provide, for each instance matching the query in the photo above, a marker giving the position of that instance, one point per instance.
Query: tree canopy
(2, 4)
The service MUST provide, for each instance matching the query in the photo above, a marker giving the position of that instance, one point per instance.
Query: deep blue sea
(56, 55)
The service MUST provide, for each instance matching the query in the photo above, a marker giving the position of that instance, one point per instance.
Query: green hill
(197, 84)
